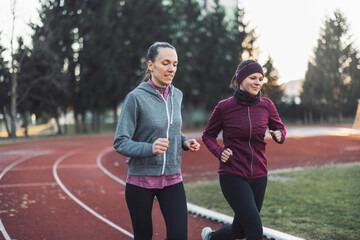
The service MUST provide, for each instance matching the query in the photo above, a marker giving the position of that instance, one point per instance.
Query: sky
(287, 30)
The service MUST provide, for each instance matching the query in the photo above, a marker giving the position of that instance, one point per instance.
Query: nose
(257, 81)
(171, 68)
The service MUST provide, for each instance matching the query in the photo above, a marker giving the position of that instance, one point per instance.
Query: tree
(189, 38)
(354, 79)
(44, 81)
(209, 48)
(4, 88)
(326, 86)
(271, 89)
(13, 70)
(22, 55)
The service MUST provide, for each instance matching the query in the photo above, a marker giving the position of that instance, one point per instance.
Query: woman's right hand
(226, 154)
(160, 146)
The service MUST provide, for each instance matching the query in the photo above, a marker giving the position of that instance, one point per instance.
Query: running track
(72, 188)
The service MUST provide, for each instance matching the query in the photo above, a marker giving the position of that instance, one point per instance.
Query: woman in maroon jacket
(243, 118)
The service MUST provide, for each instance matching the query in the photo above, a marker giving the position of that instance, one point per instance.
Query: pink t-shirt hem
(151, 182)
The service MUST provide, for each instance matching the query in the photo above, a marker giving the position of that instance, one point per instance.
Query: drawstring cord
(172, 107)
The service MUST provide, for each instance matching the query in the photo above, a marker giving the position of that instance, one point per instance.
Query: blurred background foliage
(87, 55)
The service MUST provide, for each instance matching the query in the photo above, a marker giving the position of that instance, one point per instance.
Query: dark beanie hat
(247, 68)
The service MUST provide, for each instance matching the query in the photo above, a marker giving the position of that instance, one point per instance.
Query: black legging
(173, 206)
(245, 197)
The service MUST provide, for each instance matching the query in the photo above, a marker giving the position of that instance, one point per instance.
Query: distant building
(292, 90)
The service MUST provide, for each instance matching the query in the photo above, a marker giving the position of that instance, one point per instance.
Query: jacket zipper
(167, 132)
(252, 152)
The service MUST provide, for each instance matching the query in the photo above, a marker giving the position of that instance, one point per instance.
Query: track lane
(34, 212)
(116, 168)
(33, 206)
(88, 193)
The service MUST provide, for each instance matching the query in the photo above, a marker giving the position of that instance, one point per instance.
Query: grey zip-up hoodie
(145, 117)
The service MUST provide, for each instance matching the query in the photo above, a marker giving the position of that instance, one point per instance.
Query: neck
(158, 84)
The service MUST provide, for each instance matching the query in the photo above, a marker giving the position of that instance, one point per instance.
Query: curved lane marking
(55, 166)
(203, 212)
(98, 159)
(8, 168)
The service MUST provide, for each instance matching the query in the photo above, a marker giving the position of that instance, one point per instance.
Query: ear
(150, 65)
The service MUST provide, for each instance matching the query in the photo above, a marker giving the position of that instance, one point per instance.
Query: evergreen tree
(141, 23)
(353, 83)
(220, 57)
(325, 88)
(25, 82)
(209, 48)
(243, 38)
(4, 88)
(188, 36)
(271, 89)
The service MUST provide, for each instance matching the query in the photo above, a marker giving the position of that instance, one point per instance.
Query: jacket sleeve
(275, 122)
(126, 126)
(211, 132)
(183, 139)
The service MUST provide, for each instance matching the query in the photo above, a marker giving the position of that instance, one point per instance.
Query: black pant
(245, 197)
(173, 206)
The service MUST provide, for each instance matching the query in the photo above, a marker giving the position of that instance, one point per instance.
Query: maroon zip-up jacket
(244, 130)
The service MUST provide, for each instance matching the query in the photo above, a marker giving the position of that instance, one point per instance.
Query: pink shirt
(155, 181)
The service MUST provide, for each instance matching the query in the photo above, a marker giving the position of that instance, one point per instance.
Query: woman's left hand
(276, 134)
(192, 145)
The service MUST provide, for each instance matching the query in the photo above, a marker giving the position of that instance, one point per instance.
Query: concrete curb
(219, 217)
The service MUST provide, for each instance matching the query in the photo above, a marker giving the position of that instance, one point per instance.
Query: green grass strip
(318, 203)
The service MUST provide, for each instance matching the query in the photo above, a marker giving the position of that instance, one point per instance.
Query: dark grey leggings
(245, 197)
(173, 206)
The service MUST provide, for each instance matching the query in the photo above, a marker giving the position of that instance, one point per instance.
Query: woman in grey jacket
(149, 134)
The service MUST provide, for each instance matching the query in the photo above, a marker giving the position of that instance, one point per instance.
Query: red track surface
(36, 175)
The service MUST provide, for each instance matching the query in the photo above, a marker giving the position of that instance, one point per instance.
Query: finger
(164, 140)
(194, 145)
(229, 152)
(278, 135)
(163, 143)
(160, 150)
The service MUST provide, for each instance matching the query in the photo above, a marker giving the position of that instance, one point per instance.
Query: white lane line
(98, 159)
(28, 185)
(203, 212)
(7, 169)
(58, 161)
(3, 231)
(69, 166)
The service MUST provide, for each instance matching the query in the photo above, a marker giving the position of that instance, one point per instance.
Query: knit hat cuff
(247, 70)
